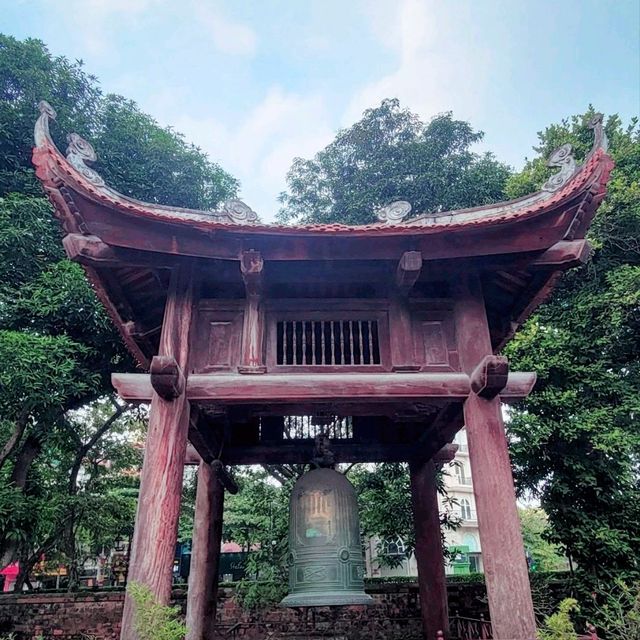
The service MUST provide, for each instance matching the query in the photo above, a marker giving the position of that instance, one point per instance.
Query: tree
(575, 442)
(385, 507)
(58, 345)
(391, 155)
(544, 555)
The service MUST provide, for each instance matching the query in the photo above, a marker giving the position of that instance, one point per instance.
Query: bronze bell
(326, 565)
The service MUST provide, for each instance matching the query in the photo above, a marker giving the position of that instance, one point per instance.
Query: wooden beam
(408, 271)
(192, 457)
(89, 250)
(446, 454)
(283, 388)
(166, 376)
(301, 452)
(370, 388)
(519, 385)
(490, 377)
(564, 255)
(92, 251)
(252, 269)
(224, 477)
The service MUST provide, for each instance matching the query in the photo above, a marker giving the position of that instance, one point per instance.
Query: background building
(463, 543)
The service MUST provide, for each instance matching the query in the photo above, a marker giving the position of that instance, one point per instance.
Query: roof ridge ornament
(562, 157)
(395, 212)
(78, 153)
(238, 211)
(41, 130)
(600, 140)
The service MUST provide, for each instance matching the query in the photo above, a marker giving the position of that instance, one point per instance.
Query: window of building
(470, 541)
(395, 548)
(465, 509)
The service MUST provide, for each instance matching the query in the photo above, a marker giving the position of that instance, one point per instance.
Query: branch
(16, 436)
(84, 449)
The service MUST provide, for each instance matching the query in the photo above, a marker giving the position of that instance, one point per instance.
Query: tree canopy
(391, 155)
(57, 344)
(575, 441)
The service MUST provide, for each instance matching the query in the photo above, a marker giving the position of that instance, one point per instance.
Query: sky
(255, 84)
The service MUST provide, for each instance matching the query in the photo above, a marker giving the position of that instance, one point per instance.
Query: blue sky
(257, 83)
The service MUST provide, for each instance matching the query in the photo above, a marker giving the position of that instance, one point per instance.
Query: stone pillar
(429, 557)
(205, 555)
(503, 553)
(156, 528)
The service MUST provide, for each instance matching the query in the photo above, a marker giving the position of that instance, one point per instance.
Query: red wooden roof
(125, 245)
(73, 172)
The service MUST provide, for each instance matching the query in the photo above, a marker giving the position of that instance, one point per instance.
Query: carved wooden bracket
(252, 268)
(564, 255)
(89, 249)
(408, 270)
(167, 379)
(224, 477)
(489, 378)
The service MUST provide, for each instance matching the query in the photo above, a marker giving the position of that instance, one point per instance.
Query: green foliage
(154, 621)
(559, 626)
(391, 155)
(535, 531)
(575, 442)
(257, 518)
(619, 616)
(57, 346)
(384, 502)
(255, 595)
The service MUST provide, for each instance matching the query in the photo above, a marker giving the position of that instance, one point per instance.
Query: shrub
(559, 626)
(154, 621)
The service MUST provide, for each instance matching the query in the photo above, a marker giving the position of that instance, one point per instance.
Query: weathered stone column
(503, 554)
(205, 555)
(429, 557)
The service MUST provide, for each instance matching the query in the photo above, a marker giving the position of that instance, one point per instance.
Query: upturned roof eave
(60, 174)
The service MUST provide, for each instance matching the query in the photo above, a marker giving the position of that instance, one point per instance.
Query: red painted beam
(282, 388)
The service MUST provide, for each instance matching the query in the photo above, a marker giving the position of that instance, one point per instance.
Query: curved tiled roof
(53, 169)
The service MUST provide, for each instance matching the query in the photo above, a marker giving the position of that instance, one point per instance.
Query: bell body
(326, 566)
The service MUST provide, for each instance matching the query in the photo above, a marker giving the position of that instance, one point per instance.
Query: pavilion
(394, 326)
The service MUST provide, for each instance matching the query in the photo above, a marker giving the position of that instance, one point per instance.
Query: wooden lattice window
(328, 342)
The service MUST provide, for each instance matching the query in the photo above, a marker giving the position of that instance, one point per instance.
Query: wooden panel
(219, 334)
(434, 343)
(434, 335)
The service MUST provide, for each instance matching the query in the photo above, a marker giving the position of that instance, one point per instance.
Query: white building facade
(463, 543)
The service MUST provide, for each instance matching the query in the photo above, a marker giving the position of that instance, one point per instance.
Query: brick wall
(395, 615)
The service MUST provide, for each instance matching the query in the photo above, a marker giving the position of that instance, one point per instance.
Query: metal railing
(463, 628)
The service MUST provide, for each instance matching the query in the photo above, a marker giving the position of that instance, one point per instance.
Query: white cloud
(97, 22)
(94, 21)
(438, 68)
(233, 38)
(260, 149)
